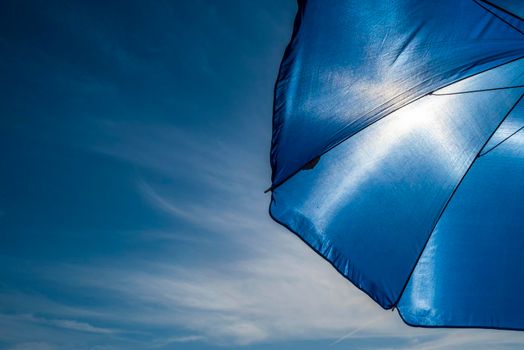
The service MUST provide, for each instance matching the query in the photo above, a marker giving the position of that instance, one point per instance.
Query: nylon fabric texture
(396, 153)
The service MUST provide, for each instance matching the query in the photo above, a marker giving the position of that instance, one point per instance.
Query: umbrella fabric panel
(471, 272)
(370, 203)
(350, 63)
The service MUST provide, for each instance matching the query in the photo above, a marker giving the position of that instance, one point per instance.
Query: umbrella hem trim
(415, 325)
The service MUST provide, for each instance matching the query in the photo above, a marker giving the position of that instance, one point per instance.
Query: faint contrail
(354, 331)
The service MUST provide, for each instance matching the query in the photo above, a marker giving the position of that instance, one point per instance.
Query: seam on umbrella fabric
(451, 197)
(496, 15)
(502, 141)
(503, 9)
(479, 90)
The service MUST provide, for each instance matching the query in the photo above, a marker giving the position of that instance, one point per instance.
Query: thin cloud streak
(278, 289)
(274, 288)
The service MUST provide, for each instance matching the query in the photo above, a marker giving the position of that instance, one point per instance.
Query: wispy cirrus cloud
(259, 284)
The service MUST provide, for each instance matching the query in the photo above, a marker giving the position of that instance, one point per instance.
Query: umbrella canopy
(398, 153)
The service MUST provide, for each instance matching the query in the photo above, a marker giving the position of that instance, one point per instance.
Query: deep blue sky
(135, 140)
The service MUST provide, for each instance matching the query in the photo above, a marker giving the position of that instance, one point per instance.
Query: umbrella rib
(501, 9)
(451, 197)
(479, 90)
(502, 141)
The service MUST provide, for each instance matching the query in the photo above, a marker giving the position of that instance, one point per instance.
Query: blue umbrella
(398, 153)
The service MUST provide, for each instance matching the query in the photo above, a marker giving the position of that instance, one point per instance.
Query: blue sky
(135, 140)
